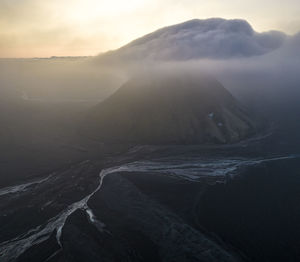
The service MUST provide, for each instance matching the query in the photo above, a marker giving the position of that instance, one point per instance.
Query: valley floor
(177, 203)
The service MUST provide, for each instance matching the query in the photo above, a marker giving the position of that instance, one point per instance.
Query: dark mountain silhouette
(167, 108)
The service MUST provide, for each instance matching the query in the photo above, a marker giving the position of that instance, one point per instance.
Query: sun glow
(88, 27)
(88, 10)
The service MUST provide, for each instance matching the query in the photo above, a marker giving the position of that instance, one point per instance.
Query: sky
(38, 28)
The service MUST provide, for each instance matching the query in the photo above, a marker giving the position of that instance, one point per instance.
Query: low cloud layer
(259, 68)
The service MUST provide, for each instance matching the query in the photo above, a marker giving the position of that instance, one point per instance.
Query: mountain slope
(167, 108)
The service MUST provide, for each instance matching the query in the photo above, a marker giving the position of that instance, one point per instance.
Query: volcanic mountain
(168, 108)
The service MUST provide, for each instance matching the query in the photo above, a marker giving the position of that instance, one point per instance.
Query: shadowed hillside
(167, 108)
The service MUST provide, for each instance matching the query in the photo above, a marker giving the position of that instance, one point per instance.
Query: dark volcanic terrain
(79, 184)
(154, 203)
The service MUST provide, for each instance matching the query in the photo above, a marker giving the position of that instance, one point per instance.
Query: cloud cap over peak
(213, 38)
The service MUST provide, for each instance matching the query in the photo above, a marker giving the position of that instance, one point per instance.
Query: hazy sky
(31, 28)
